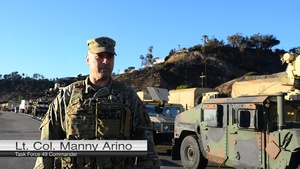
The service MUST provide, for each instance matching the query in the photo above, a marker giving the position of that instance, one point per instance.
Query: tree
(246, 42)
(148, 60)
(144, 63)
(235, 40)
(295, 50)
(172, 51)
(150, 56)
(205, 39)
(79, 77)
(263, 41)
(5, 77)
(268, 41)
(13, 76)
(213, 43)
(36, 76)
(150, 49)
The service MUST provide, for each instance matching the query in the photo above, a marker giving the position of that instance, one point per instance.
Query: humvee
(162, 114)
(253, 130)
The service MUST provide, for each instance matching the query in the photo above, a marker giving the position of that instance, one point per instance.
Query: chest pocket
(113, 121)
(80, 123)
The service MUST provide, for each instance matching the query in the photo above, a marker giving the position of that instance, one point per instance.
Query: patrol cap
(101, 44)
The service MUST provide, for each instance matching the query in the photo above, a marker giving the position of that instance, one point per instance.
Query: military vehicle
(40, 108)
(189, 97)
(252, 130)
(41, 105)
(162, 114)
(28, 107)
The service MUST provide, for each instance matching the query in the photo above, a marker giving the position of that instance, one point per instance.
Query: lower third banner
(72, 148)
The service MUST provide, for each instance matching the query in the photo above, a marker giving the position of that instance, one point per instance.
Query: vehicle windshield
(171, 111)
(166, 111)
(151, 111)
(292, 112)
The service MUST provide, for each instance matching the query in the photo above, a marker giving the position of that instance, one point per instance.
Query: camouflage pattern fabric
(55, 126)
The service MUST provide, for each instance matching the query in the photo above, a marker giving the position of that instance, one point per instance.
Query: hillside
(223, 64)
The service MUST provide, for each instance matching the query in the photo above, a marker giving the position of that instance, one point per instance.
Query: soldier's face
(101, 64)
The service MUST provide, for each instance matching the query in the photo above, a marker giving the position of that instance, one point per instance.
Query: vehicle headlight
(165, 127)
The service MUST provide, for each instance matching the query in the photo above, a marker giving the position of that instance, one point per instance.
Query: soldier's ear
(87, 59)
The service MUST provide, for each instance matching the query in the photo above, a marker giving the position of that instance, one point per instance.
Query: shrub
(182, 87)
(250, 74)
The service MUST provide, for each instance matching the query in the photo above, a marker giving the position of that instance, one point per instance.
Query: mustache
(104, 67)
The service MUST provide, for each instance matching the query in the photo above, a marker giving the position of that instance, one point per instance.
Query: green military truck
(162, 114)
(252, 130)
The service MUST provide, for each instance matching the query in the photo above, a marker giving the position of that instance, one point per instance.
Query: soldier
(86, 99)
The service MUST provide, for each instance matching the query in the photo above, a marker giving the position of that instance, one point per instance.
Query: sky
(49, 37)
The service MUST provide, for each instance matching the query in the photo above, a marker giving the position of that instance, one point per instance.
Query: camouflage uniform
(55, 125)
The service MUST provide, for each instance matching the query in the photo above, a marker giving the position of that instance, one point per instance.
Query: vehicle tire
(156, 138)
(175, 153)
(191, 156)
(295, 166)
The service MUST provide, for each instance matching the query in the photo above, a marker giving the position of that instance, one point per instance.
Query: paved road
(19, 126)
(14, 126)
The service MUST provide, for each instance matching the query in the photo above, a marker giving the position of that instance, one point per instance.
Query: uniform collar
(90, 89)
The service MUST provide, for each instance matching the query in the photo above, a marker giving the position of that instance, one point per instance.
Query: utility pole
(202, 76)
(204, 53)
